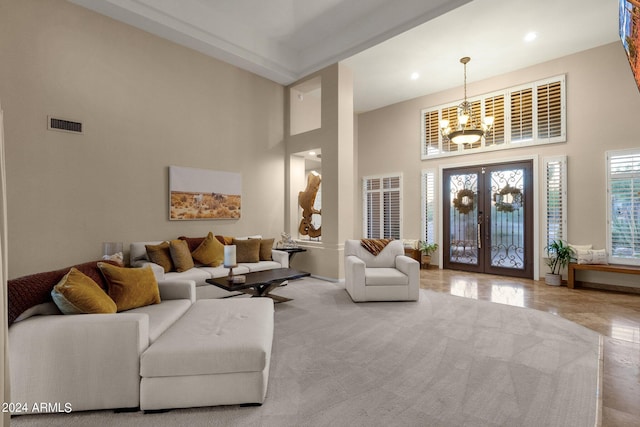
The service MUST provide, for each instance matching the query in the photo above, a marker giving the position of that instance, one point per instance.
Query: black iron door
(488, 219)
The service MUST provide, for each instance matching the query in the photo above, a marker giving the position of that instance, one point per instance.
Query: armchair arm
(280, 257)
(411, 268)
(177, 289)
(91, 361)
(354, 278)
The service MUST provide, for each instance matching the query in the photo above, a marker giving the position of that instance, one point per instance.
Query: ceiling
(382, 41)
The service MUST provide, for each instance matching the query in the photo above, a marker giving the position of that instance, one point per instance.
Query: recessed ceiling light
(312, 153)
(531, 36)
(415, 76)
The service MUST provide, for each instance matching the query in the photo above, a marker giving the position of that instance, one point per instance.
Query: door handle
(479, 237)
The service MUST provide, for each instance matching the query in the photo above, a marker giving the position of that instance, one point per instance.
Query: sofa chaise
(144, 357)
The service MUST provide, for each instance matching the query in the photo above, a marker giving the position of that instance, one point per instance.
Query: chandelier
(467, 131)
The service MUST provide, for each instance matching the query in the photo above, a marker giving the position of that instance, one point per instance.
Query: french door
(488, 219)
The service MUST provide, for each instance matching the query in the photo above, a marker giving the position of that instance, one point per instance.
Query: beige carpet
(443, 361)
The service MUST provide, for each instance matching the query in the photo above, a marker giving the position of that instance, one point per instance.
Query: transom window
(529, 114)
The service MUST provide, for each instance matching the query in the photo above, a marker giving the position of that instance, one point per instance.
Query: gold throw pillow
(131, 287)
(210, 252)
(77, 293)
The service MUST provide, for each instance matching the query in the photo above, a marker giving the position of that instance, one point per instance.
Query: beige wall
(603, 107)
(146, 104)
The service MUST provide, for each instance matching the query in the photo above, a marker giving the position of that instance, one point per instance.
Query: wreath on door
(508, 199)
(464, 201)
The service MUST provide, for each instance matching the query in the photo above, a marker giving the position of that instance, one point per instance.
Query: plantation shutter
(624, 206)
(494, 107)
(431, 132)
(451, 114)
(429, 206)
(522, 115)
(391, 208)
(549, 110)
(555, 198)
(382, 204)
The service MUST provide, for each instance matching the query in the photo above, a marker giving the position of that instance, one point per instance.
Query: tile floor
(615, 315)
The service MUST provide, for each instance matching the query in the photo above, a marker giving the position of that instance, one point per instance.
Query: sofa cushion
(161, 255)
(210, 252)
(162, 316)
(198, 275)
(247, 250)
(260, 266)
(220, 271)
(78, 293)
(131, 287)
(384, 277)
(180, 255)
(214, 337)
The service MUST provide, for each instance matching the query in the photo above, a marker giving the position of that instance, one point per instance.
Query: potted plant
(558, 256)
(427, 249)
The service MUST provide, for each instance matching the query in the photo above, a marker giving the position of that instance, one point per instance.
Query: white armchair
(389, 276)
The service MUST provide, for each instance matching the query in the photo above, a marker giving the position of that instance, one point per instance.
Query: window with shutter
(623, 210)
(555, 198)
(533, 113)
(382, 204)
(429, 206)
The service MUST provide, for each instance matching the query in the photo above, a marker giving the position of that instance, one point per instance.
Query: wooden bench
(627, 269)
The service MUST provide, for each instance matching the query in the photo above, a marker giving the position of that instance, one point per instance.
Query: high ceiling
(383, 41)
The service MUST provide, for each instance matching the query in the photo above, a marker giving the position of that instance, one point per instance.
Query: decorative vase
(553, 279)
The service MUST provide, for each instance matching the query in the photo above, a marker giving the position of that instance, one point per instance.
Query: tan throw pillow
(78, 293)
(247, 250)
(265, 249)
(131, 287)
(180, 255)
(161, 255)
(210, 252)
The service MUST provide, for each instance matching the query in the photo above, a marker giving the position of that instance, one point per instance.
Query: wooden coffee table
(260, 283)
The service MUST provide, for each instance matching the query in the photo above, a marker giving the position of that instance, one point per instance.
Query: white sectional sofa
(178, 353)
(199, 274)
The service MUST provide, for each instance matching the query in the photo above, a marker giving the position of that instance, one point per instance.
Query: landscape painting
(203, 194)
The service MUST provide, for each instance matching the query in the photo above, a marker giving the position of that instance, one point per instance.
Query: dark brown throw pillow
(161, 255)
(247, 250)
(193, 242)
(225, 240)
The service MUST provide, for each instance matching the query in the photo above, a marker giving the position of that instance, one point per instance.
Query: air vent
(64, 125)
